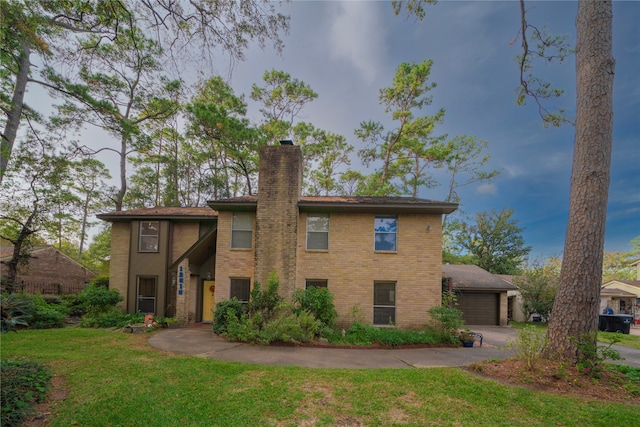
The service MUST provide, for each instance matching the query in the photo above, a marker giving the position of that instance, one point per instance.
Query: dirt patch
(555, 377)
(42, 411)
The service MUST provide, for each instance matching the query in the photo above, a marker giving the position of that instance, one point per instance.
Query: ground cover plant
(22, 384)
(113, 378)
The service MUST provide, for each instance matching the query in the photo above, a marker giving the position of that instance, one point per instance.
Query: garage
(482, 296)
(479, 308)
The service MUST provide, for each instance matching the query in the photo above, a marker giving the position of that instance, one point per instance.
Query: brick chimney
(279, 188)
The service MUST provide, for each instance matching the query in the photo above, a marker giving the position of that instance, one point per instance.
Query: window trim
(317, 215)
(386, 306)
(156, 235)
(376, 233)
(234, 229)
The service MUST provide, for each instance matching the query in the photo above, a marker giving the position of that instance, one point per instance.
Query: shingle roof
(472, 277)
(611, 292)
(348, 204)
(160, 213)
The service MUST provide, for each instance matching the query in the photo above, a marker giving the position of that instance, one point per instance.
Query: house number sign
(180, 280)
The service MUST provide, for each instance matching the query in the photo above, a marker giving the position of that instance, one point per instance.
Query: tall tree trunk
(15, 112)
(575, 311)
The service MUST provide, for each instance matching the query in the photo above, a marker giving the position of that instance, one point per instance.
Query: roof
(634, 283)
(472, 277)
(347, 204)
(175, 213)
(615, 292)
(6, 251)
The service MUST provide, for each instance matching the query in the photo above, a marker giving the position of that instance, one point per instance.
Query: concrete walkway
(202, 342)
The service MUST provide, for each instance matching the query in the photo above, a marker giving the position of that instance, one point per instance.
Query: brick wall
(351, 266)
(276, 229)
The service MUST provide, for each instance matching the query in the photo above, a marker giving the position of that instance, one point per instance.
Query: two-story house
(381, 257)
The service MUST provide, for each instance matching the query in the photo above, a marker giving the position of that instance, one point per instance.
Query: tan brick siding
(230, 263)
(351, 265)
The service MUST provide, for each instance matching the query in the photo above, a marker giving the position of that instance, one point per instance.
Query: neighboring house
(381, 257)
(621, 297)
(514, 297)
(48, 268)
(481, 296)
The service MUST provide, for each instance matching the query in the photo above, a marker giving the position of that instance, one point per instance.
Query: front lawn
(114, 379)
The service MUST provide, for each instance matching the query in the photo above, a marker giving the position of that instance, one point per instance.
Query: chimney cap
(286, 142)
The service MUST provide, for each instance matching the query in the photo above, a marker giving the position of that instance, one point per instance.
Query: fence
(48, 288)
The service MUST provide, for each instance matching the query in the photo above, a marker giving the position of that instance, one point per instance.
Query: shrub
(445, 322)
(46, 314)
(592, 356)
(101, 280)
(98, 299)
(15, 310)
(318, 302)
(112, 318)
(224, 312)
(529, 346)
(265, 302)
(290, 327)
(23, 384)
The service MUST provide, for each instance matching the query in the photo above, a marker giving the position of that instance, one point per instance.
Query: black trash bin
(615, 323)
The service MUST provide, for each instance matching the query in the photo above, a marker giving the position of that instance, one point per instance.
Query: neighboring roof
(615, 292)
(634, 283)
(635, 262)
(6, 252)
(472, 277)
(175, 213)
(347, 204)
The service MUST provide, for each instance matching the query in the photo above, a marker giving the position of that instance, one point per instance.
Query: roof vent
(286, 142)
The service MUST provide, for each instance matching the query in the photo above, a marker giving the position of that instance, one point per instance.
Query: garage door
(479, 308)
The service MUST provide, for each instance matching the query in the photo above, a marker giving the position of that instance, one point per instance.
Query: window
(386, 229)
(146, 295)
(384, 303)
(241, 230)
(240, 288)
(318, 231)
(149, 231)
(315, 283)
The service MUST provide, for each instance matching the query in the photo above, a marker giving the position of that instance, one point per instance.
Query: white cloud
(487, 188)
(358, 36)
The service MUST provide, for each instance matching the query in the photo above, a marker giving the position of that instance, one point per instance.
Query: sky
(348, 51)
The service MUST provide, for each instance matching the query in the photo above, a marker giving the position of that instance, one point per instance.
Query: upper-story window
(149, 232)
(241, 230)
(386, 233)
(318, 231)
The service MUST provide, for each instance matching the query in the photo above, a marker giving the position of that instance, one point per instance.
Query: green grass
(626, 340)
(117, 379)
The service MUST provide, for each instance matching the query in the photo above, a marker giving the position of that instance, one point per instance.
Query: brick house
(50, 269)
(381, 256)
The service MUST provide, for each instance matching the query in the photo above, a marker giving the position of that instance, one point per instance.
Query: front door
(208, 300)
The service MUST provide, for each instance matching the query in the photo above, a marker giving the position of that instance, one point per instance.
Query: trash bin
(615, 323)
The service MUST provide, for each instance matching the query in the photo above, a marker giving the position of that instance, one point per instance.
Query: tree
(537, 286)
(577, 303)
(406, 151)
(494, 242)
(98, 255)
(42, 27)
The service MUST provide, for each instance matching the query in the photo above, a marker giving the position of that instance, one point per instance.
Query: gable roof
(6, 252)
(612, 283)
(615, 292)
(175, 213)
(346, 204)
(472, 277)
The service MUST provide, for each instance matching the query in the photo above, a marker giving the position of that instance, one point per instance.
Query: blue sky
(347, 51)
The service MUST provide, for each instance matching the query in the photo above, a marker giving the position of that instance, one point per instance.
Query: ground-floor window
(147, 290)
(316, 283)
(241, 289)
(384, 303)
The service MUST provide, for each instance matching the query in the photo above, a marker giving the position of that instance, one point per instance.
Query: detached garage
(482, 296)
